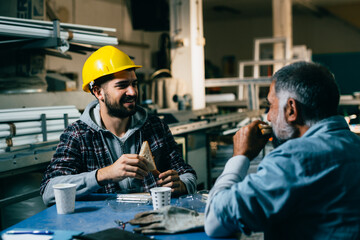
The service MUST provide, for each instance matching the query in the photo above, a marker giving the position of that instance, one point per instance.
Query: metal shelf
(27, 160)
(181, 128)
(27, 34)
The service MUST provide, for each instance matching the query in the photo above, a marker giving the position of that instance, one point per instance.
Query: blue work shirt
(307, 188)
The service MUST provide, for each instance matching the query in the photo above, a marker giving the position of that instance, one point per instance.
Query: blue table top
(95, 215)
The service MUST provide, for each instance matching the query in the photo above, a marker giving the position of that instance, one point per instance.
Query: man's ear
(292, 111)
(98, 92)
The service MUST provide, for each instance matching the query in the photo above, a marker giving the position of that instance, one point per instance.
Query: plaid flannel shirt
(81, 149)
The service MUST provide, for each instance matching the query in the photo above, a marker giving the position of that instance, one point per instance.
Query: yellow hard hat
(104, 61)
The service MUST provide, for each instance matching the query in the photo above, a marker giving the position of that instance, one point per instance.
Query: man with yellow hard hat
(99, 152)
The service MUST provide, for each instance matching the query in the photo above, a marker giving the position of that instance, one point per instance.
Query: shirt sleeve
(235, 170)
(85, 183)
(240, 203)
(189, 180)
(66, 167)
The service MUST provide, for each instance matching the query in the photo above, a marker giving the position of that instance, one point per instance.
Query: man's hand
(171, 179)
(128, 165)
(249, 141)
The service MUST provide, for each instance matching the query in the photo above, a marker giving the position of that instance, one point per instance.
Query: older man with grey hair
(306, 188)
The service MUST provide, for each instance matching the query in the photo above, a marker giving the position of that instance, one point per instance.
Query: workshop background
(188, 49)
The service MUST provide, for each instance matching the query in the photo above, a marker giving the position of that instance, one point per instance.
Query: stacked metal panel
(29, 126)
(68, 33)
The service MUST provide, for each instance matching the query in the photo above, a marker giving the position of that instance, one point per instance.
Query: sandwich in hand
(265, 129)
(146, 153)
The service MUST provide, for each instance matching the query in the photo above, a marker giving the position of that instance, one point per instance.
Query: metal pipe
(27, 116)
(17, 126)
(27, 131)
(29, 139)
(19, 31)
(64, 25)
(38, 108)
(34, 124)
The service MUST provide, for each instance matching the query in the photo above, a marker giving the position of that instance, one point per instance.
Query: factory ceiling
(344, 10)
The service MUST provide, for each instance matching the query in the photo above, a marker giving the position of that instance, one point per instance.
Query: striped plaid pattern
(81, 150)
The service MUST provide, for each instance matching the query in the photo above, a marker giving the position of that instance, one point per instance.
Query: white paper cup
(65, 197)
(161, 197)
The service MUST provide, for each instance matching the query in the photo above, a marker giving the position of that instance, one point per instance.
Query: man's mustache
(128, 99)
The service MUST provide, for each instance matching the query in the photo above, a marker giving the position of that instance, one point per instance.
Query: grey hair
(313, 87)
(283, 97)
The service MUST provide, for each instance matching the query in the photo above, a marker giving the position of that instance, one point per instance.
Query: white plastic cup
(161, 197)
(65, 197)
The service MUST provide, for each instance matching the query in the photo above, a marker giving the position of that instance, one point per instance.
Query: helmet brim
(85, 87)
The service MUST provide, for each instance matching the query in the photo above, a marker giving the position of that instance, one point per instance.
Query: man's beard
(282, 130)
(116, 109)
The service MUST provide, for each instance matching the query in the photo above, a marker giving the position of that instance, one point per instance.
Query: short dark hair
(313, 86)
(101, 80)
